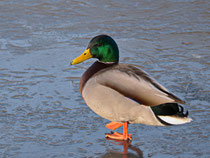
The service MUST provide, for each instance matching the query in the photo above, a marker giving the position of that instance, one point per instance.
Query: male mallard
(123, 93)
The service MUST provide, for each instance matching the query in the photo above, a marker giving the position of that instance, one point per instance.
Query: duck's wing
(135, 84)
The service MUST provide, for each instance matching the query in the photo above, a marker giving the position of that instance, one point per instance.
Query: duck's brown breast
(92, 70)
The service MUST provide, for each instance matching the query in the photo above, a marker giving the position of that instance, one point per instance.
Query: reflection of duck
(123, 93)
(125, 154)
(120, 155)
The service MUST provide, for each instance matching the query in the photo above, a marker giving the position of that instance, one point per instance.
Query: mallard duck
(123, 93)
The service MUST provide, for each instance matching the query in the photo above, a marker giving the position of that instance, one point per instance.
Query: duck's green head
(102, 47)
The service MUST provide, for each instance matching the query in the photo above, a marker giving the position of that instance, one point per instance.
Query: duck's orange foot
(118, 136)
(113, 125)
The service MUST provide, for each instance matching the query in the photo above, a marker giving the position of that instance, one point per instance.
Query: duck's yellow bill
(84, 56)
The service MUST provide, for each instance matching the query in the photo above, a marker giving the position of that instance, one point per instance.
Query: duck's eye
(85, 53)
(98, 45)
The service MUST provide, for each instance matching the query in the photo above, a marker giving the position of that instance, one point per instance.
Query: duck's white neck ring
(106, 62)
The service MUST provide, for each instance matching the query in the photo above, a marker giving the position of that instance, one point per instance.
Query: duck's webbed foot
(116, 135)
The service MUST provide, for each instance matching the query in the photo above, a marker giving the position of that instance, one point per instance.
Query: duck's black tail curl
(171, 114)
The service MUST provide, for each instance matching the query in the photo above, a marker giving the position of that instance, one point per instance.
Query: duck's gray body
(123, 93)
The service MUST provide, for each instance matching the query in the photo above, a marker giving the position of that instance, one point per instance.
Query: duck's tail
(173, 120)
(171, 114)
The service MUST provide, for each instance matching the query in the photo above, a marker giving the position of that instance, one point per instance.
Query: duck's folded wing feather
(136, 84)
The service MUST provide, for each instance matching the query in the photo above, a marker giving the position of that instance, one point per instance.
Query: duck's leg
(116, 135)
(126, 136)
